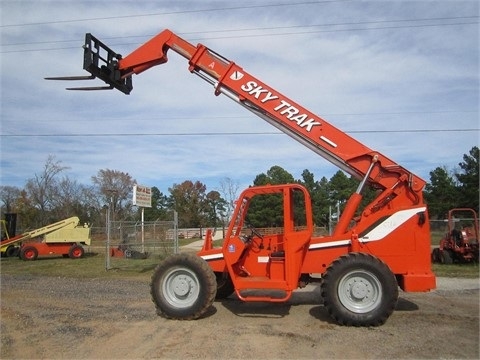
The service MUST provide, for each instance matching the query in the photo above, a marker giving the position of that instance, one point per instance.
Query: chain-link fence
(439, 228)
(134, 240)
(128, 240)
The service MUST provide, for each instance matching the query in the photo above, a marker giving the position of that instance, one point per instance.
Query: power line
(171, 13)
(265, 34)
(234, 133)
(341, 24)
(83, 119)
(270, 28)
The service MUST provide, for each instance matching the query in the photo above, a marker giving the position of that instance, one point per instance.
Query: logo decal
(236, 75)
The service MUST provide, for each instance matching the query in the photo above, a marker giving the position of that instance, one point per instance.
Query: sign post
(142, 197)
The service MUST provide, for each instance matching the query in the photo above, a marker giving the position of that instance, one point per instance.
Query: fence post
(107, 244)
(175, 232)
(143, 230)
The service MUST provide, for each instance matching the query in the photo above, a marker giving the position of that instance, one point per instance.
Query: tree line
(50, 196)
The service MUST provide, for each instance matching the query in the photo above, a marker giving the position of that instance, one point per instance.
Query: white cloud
(403, 78)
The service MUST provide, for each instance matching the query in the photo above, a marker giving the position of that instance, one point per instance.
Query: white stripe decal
(381, 231)
(212, 257)
(329, 244)
(391, 224)
(328, 141)
(386, 227)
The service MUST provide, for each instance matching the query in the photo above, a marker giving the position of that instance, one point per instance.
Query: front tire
(359, 290)
(28, 253)
(225, 286)
(183, 287)
(12, 251)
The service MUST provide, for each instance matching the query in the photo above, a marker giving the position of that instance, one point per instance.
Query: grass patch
(470, 270)
(436, 236)
(183, 242)
(92, 265)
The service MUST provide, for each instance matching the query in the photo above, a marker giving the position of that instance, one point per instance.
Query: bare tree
(41, 189)
(229, 190)
(115, 188)
(9, 196)
(69, 200)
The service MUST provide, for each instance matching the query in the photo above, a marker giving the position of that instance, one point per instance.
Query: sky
(402, 77)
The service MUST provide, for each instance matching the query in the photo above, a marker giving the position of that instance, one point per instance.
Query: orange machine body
(394, 227)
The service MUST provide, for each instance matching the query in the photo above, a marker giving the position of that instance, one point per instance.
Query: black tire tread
(12, 251)
(334, 272)
(72, 249)
(25, 249)
(225, 286)
(447, 257)
(209, 291)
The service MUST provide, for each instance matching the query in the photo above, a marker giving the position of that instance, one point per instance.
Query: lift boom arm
(233, 81)
(69, 223)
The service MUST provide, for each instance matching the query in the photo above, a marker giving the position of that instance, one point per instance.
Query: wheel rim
(360, 291)
(77, 252)
(29, 254)
(181, 288)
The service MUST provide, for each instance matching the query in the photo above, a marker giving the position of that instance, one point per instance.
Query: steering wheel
(254, 231)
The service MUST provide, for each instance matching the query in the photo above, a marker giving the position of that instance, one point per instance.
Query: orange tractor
(373, 250)
(460, 243)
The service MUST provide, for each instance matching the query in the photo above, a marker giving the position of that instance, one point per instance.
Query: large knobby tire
(446, 257)
(359, 290)
(29, 253)
(12, 251)
(183, 287)
(436, 256)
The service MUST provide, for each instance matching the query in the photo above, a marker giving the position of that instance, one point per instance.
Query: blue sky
(400, 76)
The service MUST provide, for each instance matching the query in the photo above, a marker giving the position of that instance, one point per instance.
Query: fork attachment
(101, 62)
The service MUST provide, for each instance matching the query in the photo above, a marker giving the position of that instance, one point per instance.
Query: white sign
(142, 196)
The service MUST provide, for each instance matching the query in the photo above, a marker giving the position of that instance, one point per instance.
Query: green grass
(92, 265)
(436, 236)
(457, 270)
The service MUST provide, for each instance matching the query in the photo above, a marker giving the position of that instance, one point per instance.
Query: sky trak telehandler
(372, 251)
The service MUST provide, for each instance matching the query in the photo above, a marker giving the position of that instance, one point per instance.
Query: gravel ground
(63, 318)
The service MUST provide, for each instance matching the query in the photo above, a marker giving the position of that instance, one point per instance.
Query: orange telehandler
(372, 251)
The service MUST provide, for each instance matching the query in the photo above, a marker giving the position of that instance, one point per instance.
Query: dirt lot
(51, 317)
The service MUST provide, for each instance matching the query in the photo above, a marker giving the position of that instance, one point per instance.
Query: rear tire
(359, 290)
(446, 257)
(76, 252)
(183, 287)
(436, 257)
